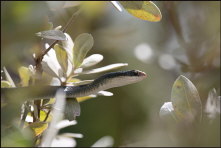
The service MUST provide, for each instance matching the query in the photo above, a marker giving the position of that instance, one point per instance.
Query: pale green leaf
(5, 84)
(145, 10)
(8, 77)
(24, 75)
(82, 44)
(91, 60)
(105, 68)
(186, 100)
(52, 34)
(62, 57)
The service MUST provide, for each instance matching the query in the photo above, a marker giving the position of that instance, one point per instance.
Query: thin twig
(47, 115)
(64, 29)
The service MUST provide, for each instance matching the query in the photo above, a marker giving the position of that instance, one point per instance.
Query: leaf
(212, 107)
(62, 141)
(186, 100)
(106, 141)
(52, 34)
(73, 135)
(65, 123)
(145, 10)
(24, 75)
(43, 115)
(82, 44)
(8, 77)
(62, 57)
(105, 93)
(167, 112)
(116, 5)
(5, 84)
(91, 60)
(72, 109)
(38, 127)
(105, 68)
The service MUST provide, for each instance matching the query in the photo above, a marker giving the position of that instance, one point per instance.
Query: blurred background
(185, 42)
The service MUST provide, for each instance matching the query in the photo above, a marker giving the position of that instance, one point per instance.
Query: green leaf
(24, 75)
(186, 100)
(72, 109)
(5, 84)
(92, 60)
(52, 34)
(38, 127)
(105, 68)
(62, 57)
(82, 44)
(145, 10)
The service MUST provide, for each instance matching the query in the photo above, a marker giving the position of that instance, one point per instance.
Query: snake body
(104, 82)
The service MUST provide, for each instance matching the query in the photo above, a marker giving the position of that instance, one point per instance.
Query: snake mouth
(141, 73)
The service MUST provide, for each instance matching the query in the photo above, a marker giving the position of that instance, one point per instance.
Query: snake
(104, 82)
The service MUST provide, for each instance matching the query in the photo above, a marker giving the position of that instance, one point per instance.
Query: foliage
(181, 54)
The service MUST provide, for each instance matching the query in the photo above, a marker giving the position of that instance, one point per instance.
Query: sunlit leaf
(38, 127)
(92, 60)
(68, 45)
(62, 57)
(105, 68)
(73, 135)
(24, 75)
(212, 107)
(106, 141)
(52, 34)
(186, 100)
(5, 84)
(50, 64)
(8, 77)
(105, 93)
(65, 123)
(116, 5)
(167, 112)
(82, 44)
(62, 141)
(145, 10)
(72, 109)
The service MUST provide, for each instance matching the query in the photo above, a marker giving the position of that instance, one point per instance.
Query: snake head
(120, 78)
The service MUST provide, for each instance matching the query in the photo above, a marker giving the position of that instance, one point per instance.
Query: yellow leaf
(38, 127)
(24, 75)
(5, 84)
(145, 10)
